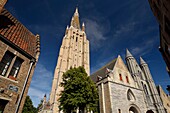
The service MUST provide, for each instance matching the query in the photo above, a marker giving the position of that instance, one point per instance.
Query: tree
(28, 106)
(79, 92)
(40, 105)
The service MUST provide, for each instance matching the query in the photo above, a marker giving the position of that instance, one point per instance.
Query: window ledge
(8, 79)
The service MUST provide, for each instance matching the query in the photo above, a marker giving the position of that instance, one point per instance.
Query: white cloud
(36, 96)
(41, 84)
(100, 63)
(124, 29)
(144, 47)
(95, 33)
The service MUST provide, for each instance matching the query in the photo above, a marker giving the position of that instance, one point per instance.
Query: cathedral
(122, 88)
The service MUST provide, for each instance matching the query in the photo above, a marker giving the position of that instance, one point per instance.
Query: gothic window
(130, 95)
(146, 90)
(120, 77)
(5, 62)
(127, 79)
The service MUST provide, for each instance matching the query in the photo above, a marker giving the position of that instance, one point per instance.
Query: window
(127, 79)
(15, 68)
(120, 77)
(5, 62)
(130, 96)
(119, 110)
(76, 39)
(12, 61)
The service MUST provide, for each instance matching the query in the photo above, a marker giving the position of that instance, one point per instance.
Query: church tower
(74, 52)
(156, 101)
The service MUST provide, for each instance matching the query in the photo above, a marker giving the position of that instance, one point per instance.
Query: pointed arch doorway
(149, 111)
(133, 110)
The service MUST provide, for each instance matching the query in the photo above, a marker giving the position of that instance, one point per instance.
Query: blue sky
(111, 27)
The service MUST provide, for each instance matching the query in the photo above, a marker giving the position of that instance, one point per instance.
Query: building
(127, 88)
(165, 98)
(2, 3)
(74, 52)
(19, 53)
(161, 10)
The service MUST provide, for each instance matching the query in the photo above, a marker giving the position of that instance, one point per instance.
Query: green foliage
(79, 91)
(40, 105)
(28, 106)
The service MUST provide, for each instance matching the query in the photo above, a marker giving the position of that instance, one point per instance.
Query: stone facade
(74, 52)
(127, 88)
(19, 52)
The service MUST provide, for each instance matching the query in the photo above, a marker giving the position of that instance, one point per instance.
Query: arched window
(133, 110)
(146, 92)
(119, 111)
(120, 77)
(149, 111)
(130, 95)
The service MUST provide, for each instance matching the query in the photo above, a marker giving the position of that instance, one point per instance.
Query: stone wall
(120, 101)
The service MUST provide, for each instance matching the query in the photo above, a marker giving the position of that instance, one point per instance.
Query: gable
(102, 72)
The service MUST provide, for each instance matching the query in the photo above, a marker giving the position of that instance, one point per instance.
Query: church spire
(83, 27)
(128, 54)
(142, 61)
(75, 19)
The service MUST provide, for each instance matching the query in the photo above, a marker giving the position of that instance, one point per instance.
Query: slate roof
(102, 71)
(15, 32)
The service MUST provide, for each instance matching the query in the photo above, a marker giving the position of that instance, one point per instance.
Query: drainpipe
(103, 98)
(25, 83)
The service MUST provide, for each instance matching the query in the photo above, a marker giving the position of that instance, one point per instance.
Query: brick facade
(24, 46)
(161, 10)
(2, 3)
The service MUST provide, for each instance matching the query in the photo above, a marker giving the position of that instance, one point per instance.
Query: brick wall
(5, 82)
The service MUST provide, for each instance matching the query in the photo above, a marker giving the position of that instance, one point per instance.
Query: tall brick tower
(74, 52)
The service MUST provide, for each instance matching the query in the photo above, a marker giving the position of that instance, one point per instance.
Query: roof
(15, 32)
(128, 54)
(142, 61)
(102, 71)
